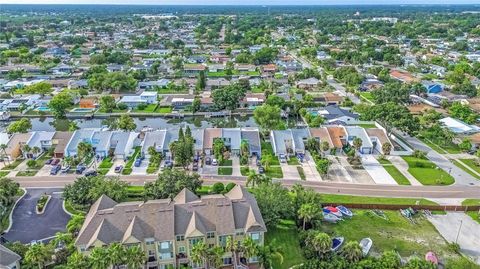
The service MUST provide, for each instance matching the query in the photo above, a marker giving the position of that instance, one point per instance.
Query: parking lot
(27, 225)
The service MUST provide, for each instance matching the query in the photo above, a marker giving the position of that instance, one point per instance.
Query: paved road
(461, 177)
(28, 225)
(323, 187)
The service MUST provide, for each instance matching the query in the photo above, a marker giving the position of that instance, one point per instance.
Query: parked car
(55, 169)
(283, 158)
(195, 166)
(259, 163)
(55, 161)
(261, 170)
(214, 162)
(118, 169)
(208, 161)
(49, 161)
(80, 169)
(138, 162)
(66, 169)
(91, 173)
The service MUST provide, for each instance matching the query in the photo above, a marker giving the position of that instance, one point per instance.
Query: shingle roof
(7, 257)
(186, 214)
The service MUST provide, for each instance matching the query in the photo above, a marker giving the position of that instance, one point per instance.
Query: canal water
(50, 124)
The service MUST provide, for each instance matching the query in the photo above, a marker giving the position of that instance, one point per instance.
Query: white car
(214, 162)
(283, 158)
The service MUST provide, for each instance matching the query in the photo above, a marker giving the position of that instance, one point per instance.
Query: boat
(345, 211)
(333, 210)
(337, 243)
(366, 244)
(380, 213)
(328, 217)
(431, 257)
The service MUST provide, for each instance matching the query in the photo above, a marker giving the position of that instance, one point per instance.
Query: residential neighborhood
(161, 136)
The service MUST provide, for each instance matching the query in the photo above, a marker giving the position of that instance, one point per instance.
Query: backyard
(427, 172)
(285, 236)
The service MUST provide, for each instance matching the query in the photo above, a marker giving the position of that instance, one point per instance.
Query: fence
(417, 207)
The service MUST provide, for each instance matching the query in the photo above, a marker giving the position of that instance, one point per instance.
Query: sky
(240, 2)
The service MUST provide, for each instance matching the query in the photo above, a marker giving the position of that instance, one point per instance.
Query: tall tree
(39, 255)
(307, 212)
(59, 103)
(126, 123)
(199, 254)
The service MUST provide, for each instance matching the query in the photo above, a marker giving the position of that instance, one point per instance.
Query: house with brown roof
(337, 135)
(403, 76)
(208, 137)
(321, 135)
(59, 142)
(167, 229)
(15, 144)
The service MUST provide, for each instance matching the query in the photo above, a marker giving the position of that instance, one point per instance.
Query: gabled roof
(195, 226)
(185, 196)
(7, 257)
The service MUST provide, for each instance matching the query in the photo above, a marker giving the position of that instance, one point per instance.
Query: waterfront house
(41, 140)
(9, 259)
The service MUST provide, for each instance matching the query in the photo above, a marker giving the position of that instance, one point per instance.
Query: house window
(181, 249)
(149, 242)
(211, 235)
(180, 238)
(239, 233)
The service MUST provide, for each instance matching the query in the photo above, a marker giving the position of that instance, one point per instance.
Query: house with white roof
(41, 140)
(354, 132)
(154, 139)
(132, 101)
(458, 126)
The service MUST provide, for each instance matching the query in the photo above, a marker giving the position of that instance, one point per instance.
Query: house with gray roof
(252, 137)
(282, 142)
(154, 139)
(232, 137)
(358, 132)
(41, 140)
(9, 259)
(167, 229)
(335, 114)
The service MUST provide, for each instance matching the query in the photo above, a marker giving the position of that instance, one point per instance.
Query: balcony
(182, 258)
(151, 259)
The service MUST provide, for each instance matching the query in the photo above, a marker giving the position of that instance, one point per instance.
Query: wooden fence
(417, 207)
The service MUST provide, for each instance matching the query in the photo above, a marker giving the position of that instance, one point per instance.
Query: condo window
(211, 235)
(180, 237)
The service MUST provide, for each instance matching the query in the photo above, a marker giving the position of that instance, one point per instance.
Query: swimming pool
(43, 108)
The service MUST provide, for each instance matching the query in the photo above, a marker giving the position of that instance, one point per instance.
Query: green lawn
(28, 173)
(301, 173)
(293, 161)
(106, 163)
(367, 125)
(351, 199)
(274, 172)
(451, 148)
(285, 236)
(244, 170)
(367, 96)
(226, 163)
(396, 233)
(395, 173)
(427, 172)
(461, 166)
(472, 164)
(164, 109)
(149, 109)
(268, 150)
(475, 215)
(128, 166)
(170, 91)
(4, 173)
(13, 164)
(72, 210)
(225, 171)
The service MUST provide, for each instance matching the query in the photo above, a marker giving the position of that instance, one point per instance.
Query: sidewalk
(402, 166)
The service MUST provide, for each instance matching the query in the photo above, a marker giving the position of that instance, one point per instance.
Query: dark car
(80, 169)
(195, 166)
(118, 169)
(91, 173)
(208, 161)
(49, 161)
(55, 161)
(138, 162)
(259, 163)
(55, 169)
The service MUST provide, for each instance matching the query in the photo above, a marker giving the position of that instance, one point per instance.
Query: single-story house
(133, 101)
(9, 259)
(433, 87)
(354, 132)
(337, 114)
(308, 84)
(378, 138)
(458, 126)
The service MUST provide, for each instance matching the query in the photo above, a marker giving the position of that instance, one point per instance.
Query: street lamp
(459, 229)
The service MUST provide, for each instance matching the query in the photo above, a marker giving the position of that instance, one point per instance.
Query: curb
(10, 218)
(45, 207)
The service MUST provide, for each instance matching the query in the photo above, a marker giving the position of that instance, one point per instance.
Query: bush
(218, 187)
(142, 106)
(419, 154)
(31, 163)
(122, 106)
(244, 160)
(230, 186)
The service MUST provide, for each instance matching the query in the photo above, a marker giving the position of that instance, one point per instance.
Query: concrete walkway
(376, 170)
(310, 169)
(402, 166)
(449, 226)
(236, 166)
(290, 171)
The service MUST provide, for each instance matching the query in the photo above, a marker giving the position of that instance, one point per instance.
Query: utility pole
(458, 233)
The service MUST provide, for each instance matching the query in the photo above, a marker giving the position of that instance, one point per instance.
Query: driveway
(376, 170)
(336, 172)
(116, 163)
(290, 171)
(469, 237)
(27, 225)
(142, 169)
(310, 168)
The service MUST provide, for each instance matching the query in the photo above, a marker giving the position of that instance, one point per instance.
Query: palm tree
(78, 261)
(322, 243)
(26, 149)
(36, 150)
(84, 150)
(232, 247)
(215, 255)
(386, 148)
(252, 178)
(357, 143)
(62, 239)
(3, 148)
(199, 254)
(267, 254)
(307, 212)
(135, 257)
(75, 224)
(116, 253)
(39, 254)
(99, 258)
(266, 161)
(250, 248)
(352, 252)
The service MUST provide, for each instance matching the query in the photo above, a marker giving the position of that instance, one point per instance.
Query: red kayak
(431, 257)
